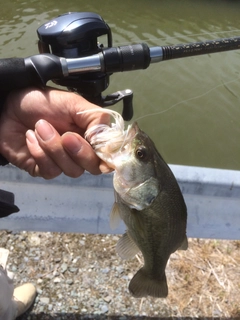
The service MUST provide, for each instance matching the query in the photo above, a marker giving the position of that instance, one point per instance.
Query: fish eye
(141, 153)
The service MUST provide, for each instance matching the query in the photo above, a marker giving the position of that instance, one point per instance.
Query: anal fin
(126, 247)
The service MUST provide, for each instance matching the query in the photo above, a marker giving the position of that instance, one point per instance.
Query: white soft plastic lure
(107, 140)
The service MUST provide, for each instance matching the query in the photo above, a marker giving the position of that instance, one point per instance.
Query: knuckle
(50, 172)
(74, 172)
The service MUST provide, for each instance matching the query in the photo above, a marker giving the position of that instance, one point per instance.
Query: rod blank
(199, 48)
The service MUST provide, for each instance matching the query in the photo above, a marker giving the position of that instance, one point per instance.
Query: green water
(190, 107)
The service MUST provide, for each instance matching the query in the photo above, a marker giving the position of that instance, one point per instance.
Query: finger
(81, 152)
(104, 168)
(50, 142)
(40, 165)
(86, 119)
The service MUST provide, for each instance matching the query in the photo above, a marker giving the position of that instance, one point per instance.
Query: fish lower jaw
(107, 159)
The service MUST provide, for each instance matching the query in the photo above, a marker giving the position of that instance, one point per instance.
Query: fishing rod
(71, 56)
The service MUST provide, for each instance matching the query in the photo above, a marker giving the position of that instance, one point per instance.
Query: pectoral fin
(115, 217)
(126, 247)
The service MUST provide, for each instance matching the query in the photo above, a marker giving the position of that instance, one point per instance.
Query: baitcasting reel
(77, 35)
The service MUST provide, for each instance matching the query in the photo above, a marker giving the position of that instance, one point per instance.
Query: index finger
(88, 115)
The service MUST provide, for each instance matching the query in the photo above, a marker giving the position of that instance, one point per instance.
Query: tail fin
(142, 285)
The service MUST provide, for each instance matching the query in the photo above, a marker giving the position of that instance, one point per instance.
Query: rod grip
(13, 74)
(126, 58)
(17, 73)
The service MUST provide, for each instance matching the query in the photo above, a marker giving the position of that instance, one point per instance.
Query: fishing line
(189, 99)
(119, 123)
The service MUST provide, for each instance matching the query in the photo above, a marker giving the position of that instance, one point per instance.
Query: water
(191, 106)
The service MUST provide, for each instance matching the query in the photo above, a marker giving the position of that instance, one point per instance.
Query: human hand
(41, 132)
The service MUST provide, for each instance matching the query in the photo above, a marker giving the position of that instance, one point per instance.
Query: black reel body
(75, 35)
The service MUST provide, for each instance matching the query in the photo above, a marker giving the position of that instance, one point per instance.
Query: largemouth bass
(148, 200)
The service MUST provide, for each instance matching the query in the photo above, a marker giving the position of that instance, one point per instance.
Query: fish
(147, 198)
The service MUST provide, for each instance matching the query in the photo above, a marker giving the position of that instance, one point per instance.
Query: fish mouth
(119, 146)
(112, 141)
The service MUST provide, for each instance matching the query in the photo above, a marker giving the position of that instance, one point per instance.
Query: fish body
(149, 201)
